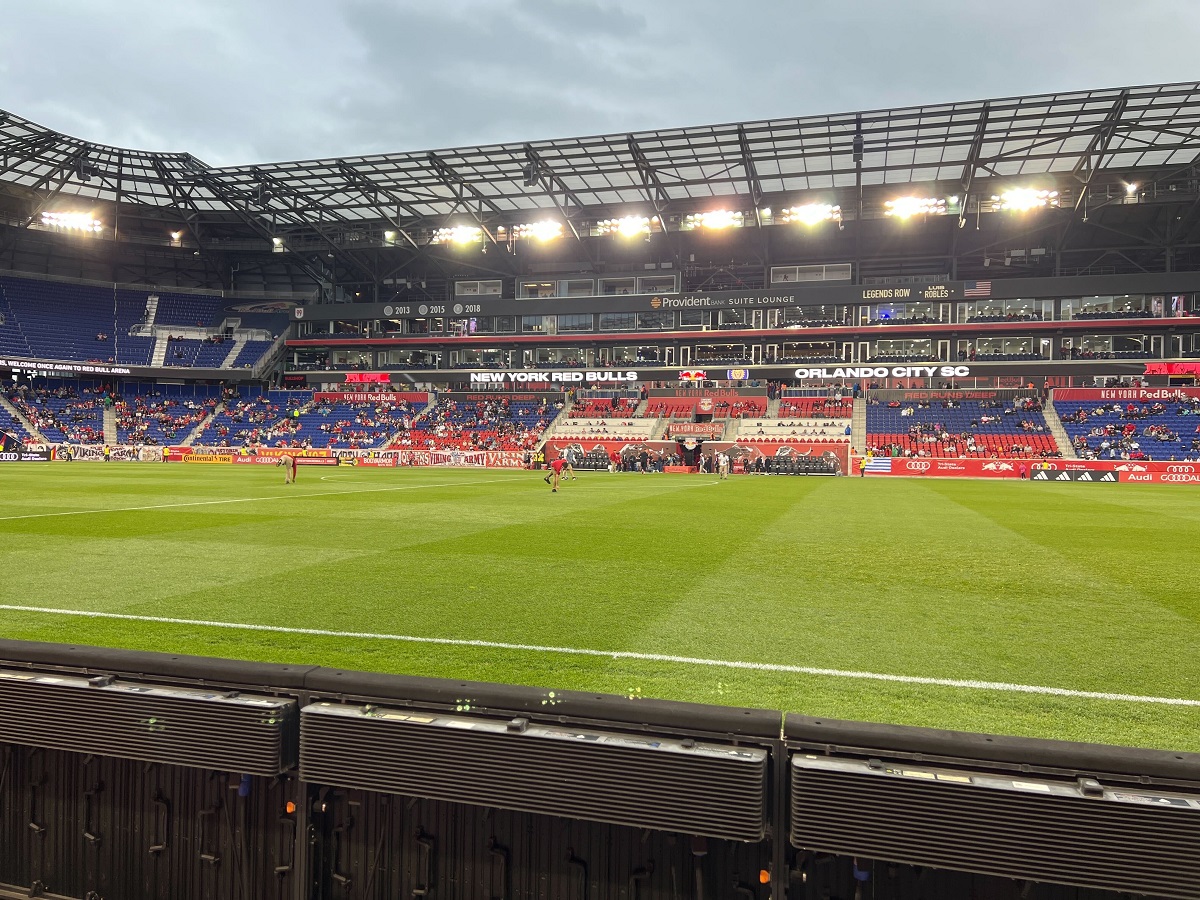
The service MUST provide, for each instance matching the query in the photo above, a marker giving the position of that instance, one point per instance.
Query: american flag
(977, 289)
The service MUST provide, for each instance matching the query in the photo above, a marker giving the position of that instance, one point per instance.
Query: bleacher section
(91, 323)
(250, 353)
(604, 429)
(61, 413)
(603, 408)
(806, 431)
(816, 407)
(1112, 430)
(155, 419)
(14, 426)
(250, 415)
(342, 425)
(497, 424)
(959, 429)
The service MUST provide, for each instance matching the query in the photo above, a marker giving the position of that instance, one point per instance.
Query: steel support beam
(655, 192)
(550, 182)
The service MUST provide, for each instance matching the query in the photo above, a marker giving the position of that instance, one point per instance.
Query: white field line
(628, 654)
(90, 512)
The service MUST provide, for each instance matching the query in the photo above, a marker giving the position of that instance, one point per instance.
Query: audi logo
(1181, 468)
(918, 466)
(1179, 478)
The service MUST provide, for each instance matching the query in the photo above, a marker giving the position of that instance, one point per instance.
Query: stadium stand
(1146, 431)
(812, 431)
(62, 412)
(89, 323)
(15, 427)
(498, 424)
(604, 429)
(816, 407)
(979, 428)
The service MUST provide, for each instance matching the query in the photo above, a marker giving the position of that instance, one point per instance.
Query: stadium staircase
(17, 416)
(110, 424)
(660, 427)
(202, 424)
(773, 408)
(1054, 423)
(238, 343)
(151, 309)
(159, 356)
(858, 424)
(12, 339)
(731, 429)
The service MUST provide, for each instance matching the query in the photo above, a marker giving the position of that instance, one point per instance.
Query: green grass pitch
(1079, 587)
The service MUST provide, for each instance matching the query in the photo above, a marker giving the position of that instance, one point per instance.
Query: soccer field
(1049, 610)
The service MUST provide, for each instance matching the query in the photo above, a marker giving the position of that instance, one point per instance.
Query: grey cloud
(235, 81)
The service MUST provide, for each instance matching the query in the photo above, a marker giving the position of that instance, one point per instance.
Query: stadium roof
(1081, 134)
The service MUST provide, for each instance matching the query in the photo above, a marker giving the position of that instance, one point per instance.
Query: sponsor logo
(920, 466)
(656, 302)
(1181, 469)
(1179, 478)
(693, 375)
(1129, 467)
(299, 312)
(1136, 477)
(997, 467)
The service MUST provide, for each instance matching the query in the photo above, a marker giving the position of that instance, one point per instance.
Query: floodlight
(715, 219)
(811, 213)
(459, 234)
(546, 230)
(626, 226)
(176, 235)
(1025, 199)
(1131, 188)
(71, 221)
(906, 207)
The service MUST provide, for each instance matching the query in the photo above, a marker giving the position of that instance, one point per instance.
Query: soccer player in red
(555, 473)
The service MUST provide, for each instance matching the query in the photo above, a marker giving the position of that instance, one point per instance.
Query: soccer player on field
(555, 473)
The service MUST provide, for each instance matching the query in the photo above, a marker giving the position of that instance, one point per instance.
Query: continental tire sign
(208, 458)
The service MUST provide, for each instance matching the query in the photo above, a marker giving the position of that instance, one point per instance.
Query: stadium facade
(1032, 236)
(1052, 240)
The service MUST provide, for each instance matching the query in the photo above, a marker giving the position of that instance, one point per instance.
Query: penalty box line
(628, 654)
(92, 512)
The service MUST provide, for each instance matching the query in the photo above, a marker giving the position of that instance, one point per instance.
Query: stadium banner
(710, 393)
(525, 397)
(591, 377)
(1093, 477)
(707, 429)
(256, 460)
(935, 396)
(1145, 472)
(26, 455)
(372, 462)
(297, 452)
(316, 460)
(1131, 394)
(413, 397)
(748, 449)
(206, 458)
(118, 452)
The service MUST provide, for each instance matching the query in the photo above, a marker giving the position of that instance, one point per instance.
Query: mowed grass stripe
(956, 581)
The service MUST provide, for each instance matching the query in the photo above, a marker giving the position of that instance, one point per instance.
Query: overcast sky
(242, 81)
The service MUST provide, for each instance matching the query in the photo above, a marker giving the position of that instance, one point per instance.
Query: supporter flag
(879, 464)
(977, 289)
(8, 442)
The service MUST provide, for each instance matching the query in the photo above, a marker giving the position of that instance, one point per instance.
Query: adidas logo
(1063, 476)
(1085, 476)
(1041, 476)
(1109, 476)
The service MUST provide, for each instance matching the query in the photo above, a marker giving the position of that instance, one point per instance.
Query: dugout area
(130, 774)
